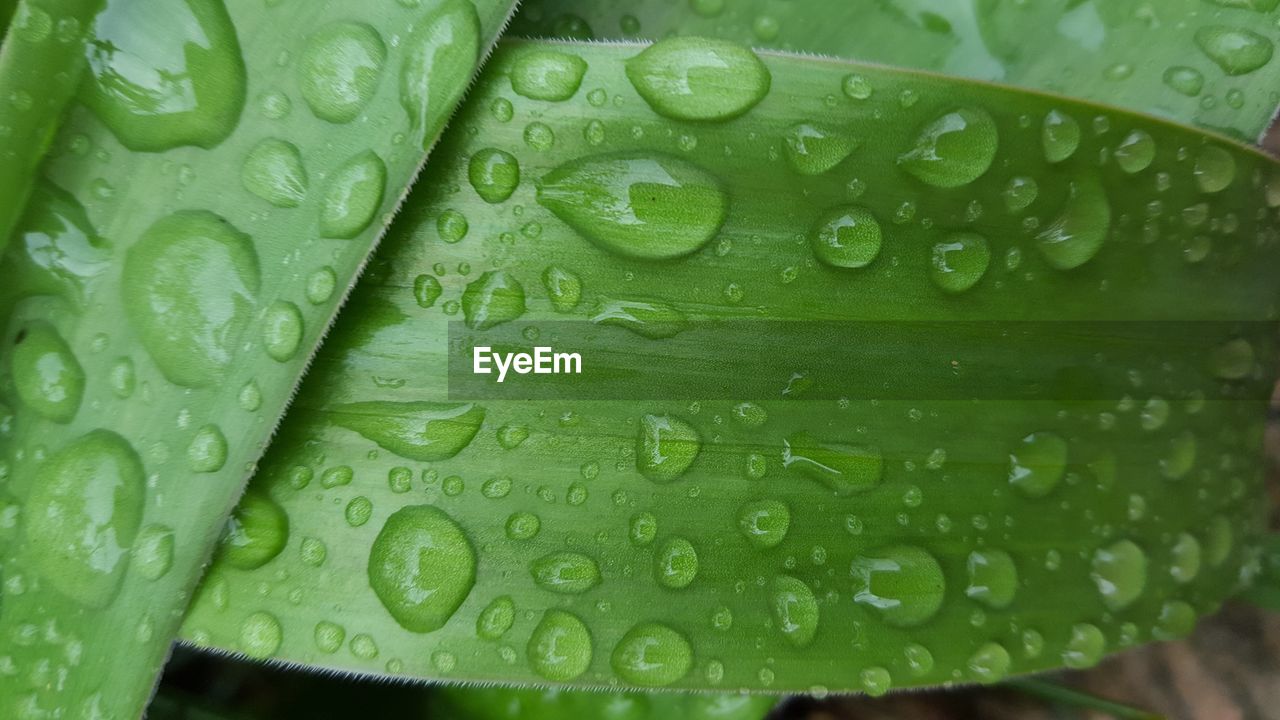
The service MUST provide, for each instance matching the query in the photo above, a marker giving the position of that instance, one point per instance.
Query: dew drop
(693, 78)
(421, 567)
(329, 636)
(1136, 152)
(560, 646)
(273, 171)
(953, 150)
(439, 57)
(46, 374)
(565, 572)
(990, 663)
(795, 610)
(352, 196)
(1085, 647)
(541, 74)
(339, 70)
(207, 451)
(959, 262)
(1185, 562)
(846, 237)
(665, 447)
(993, 578)
(1037, 464)
(492, 299)
(675, 564)
(282, 330)
(1077, 234)
(844, 468)
(652, 655)
(260, 635)
(496, 618)
(564, 288)
(1120, 573)
(1236, 50)
(420, 431)
(1215, 169)
(256, 532)
(813, 149)
(153, 551)
(1060, 136)
(764, 523)
(903, 583)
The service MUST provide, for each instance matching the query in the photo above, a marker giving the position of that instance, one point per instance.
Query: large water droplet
(1176, 620)
(903, 582)
(675, 564)
(813, 149)
(959, 262)
(1085, 647)
(352, 196)
(560, 646)
(565, 572)
(652, 655)
(207, 451)
(764, 523)
(1136, 152)
(55, 250)
(542, 74)
(1038, 463)
(993, 578)
(273, 171)
(166, 75)
(1077, 234)
(83, 514)
(844, 468)
(665, 447)
(795, 610)
(846, 237)
(339, 70)
(421, 566)
(440, 56)
(1215, 169)
(692, 78)
(653, 320)
(492, 299)
(189, 285)
(46, 374)
(1120, 572)
(422, 431)
(1236, 50)
(646, 206)
(494, 174)
(260, 635)
(990, 663)
(255, 533)
(954, 149)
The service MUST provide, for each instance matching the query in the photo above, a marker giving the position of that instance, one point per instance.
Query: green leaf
(650, 524)
(207, 203)
(512, 704)
(41, 62)
(1209, 63)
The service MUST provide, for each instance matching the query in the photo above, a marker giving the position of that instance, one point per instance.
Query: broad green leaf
(648, 528)
(511, 704)
(1209, 62)
(222, 175)
(41, 62)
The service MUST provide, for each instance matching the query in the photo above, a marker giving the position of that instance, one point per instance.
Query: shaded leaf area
(209, 196)
(1207, 62)
(800, 542)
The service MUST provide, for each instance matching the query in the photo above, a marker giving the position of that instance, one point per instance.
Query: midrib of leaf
(950, 503)
(100, 562)
(1127, 53)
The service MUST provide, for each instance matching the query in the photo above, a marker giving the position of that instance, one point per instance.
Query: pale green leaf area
(220, 178)
(804, 539)
(1207, 62)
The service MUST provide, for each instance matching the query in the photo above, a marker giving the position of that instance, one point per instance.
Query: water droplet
(282, 330)
(189, 285)
(990, 663)
(541, 74)
(876, 681)
(652, 655)
(856, 87)
(643, 529)
(764, 523)
(439, 59)
(273, 171)
(653, 320)
(523, 525)
(208, 450)
(358, 511)
(1215, 169)
(959, 262)
(426, 290)
(494, 174)
(813, 150)
(46, 374)
(1120, 572)
(312, 552)
(675, 564)
(1136, 152)
(329, 636)
(337, 476)
(692, 78)
(795, 610)
(1060, 136)
(904, 583)
(844, 468)
(320, 285)
(665, 447)
(1038, 463)
(260, 635)
(560, 646)
(339, 69)
(1085, 647)
(846, 237)
(421, 567)
(1184, 80)
(82, 515)
(646, 206)
(1176, 620)
(496, 618)
(1185, 562)
(1236, 50)
(421, 431)
(352, 196)
(564, 288)
(1233, 360)
(1180, 456)
(181, 82)
(539, 136)
(953, 150)
(1077, 234)
(255, 533)
(492, 299)
(363, 646)
(993, 578)
(153, 551)
(565, 572)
